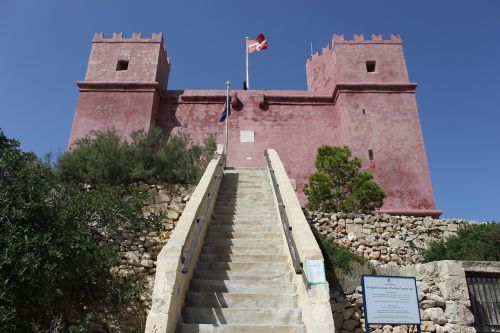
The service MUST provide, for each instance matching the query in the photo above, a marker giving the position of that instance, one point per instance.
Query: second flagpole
(228, 84)
(246, 52)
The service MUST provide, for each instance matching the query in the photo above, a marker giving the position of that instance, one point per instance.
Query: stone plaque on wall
(247, 136)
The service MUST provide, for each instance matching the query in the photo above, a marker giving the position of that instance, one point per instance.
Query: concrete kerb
(170, 283)
(314, 300)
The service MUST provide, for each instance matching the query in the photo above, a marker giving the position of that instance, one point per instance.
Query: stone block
(450, 267)
(173, 215)
(357, 228)
(428, 326)
(458, 314)
(436, 315)
(397, 243)
(453, 288)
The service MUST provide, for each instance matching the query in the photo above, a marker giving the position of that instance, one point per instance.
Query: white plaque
(247, 136)
(390, 300)
(315, 271)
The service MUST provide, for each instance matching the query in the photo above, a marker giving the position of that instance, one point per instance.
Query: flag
(259, 44)
(226, 111)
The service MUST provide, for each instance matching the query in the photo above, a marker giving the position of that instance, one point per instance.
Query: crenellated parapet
(395, 39)
(358, 39)
(135, 38)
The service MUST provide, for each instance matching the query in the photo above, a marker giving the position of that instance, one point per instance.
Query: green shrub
(53, 260)
(339, 185)
(106, 158)
(474, 242)
(343, 268)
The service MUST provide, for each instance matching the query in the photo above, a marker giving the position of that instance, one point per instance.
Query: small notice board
(390, 300)
(315, 271)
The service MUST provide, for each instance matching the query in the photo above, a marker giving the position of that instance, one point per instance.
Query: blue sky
(452, 50)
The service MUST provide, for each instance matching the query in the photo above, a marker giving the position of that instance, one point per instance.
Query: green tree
(53, 259)
(106, 158)
(474, 242)
(339, 185)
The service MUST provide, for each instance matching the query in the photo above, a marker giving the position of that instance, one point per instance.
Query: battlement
(339, 39)
(358, 39)
(135, 38)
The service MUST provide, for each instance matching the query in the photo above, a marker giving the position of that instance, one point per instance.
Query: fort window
(122, 65)
(370, 154)
(370, 66)
(364, 112)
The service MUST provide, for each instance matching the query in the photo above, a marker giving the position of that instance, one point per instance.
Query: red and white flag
(259, 44)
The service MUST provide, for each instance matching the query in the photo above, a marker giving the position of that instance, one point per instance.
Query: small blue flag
(226, 112)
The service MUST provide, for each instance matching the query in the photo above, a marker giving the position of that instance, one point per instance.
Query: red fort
(359, 95)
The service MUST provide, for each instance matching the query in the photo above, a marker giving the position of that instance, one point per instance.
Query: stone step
(234, 328)
(247, 235)
(243, 242)
(263, 191)
(250, 258)
(274, 250)
(242, 286)
(241, 221)
(255, 275)
(241, 316)
(246, 217)
(242, 267)
(252, 203)
(243, 300)
(245, 180)
(244, 228)
(245, 210)
(250, 194)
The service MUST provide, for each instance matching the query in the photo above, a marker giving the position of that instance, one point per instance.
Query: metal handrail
(186, 261)
(287, 228)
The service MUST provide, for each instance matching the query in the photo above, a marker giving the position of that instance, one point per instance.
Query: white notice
(390, 300)
(315, 271)
(247, 136)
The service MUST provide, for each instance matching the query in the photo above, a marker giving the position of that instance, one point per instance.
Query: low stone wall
(383, 238)
(393, 245)
(442, 293)
(139, 249)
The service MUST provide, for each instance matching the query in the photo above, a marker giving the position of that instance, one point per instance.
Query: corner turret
(123, 85)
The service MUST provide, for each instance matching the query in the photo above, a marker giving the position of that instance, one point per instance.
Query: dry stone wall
(382, 238)
(393, 245)
(138, 249)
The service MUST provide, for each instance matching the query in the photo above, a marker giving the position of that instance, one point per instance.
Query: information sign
(390, 300)
(315, 271)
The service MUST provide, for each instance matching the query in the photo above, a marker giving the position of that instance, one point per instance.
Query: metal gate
(484, 294)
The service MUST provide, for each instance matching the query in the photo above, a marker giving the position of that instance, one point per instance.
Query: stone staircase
(243, 282)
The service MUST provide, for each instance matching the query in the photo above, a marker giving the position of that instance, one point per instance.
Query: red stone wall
(390, 127)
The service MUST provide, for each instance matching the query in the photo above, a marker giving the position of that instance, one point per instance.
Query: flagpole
(228, 84)
(246, 52)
